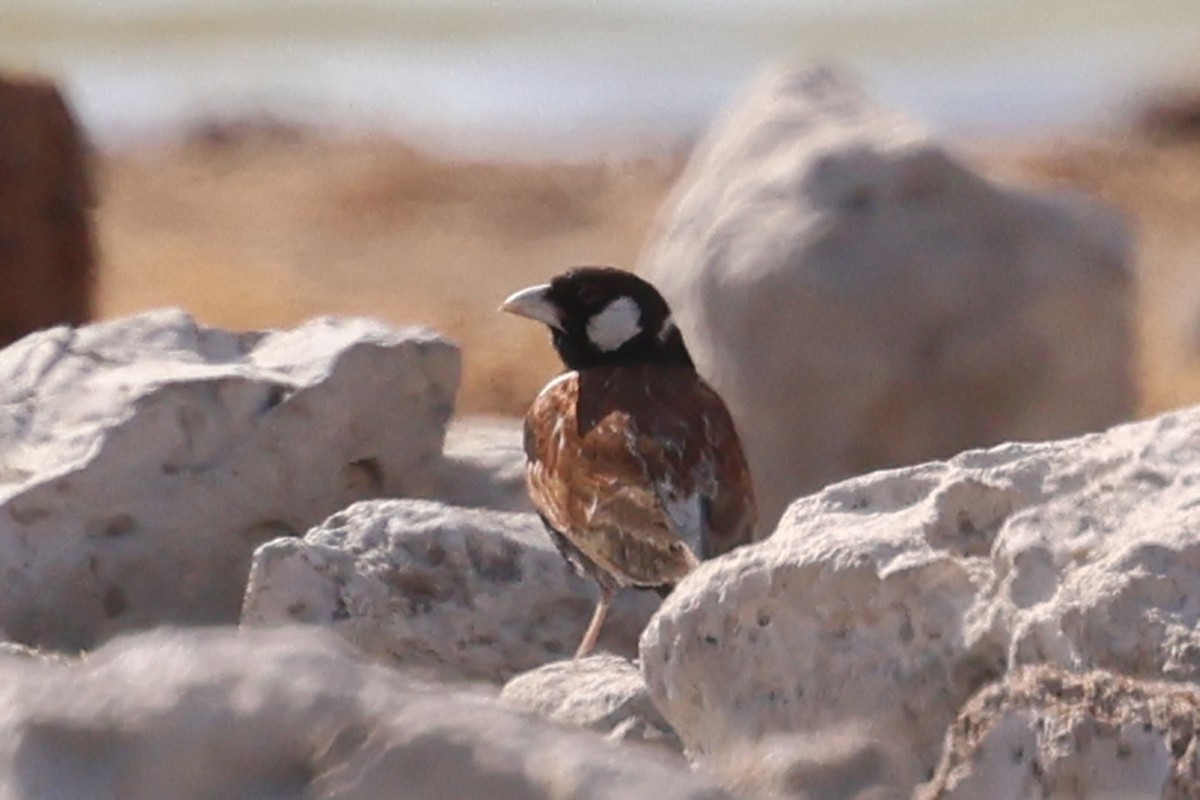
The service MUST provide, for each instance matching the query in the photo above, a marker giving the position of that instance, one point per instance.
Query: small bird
(633, 461)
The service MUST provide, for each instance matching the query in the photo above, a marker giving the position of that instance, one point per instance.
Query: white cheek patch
(619, 322)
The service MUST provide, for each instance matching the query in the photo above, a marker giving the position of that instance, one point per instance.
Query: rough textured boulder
(1045, 733)
(457, 591)
(603, 693)
(894, 596)
(289, 714)
(46, 249)
(862, 299)
(143, 460)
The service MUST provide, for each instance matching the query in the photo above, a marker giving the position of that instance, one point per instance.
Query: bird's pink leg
(593, 629)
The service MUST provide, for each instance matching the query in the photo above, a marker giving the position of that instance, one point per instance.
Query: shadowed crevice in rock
(483, 465)
(364, 477)
(603, 693)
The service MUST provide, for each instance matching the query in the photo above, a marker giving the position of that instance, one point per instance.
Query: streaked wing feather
(590, 488)
(690, 448)
(616, 465)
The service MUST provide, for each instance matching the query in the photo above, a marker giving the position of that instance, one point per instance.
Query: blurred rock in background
(46, 246)
(862, 299)
(1173, 115)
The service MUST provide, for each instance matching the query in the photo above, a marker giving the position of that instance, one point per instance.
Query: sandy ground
(264, 227)
(269, 228)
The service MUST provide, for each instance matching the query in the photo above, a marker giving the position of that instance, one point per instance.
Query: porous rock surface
(863, 299)
(142, 460)
(457, 591)
(269, 715)
(46, 243)
(1047, 734)
(894, 596)
(603, 693)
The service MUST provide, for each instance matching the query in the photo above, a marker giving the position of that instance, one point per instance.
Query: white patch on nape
(687, 514)
(620, 321)
(668, 327)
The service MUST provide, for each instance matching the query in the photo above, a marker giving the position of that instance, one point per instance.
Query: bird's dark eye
(589, 295)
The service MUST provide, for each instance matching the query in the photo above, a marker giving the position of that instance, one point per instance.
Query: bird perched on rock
(634, 463)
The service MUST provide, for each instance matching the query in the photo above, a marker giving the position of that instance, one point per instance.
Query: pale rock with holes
(1054, 735)
(142, 460)
(603, 693)
(863, 298)
(438, 589)
(266, 715)
(894, 596)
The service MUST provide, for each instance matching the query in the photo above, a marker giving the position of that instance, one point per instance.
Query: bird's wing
(706, 484)
(589, 486)
(640, 469)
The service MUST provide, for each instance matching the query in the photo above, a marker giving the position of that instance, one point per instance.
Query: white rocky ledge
(892, 597)
(142, 460)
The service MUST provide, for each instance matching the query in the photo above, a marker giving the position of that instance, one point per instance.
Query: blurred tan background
(417, 161)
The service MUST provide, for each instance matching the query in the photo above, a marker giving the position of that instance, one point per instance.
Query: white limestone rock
(893, 597)
(465, 592)
(142, 460)
(268, 715)
(1052, 735)
(863, 299)
(604, 693)
(22, 651)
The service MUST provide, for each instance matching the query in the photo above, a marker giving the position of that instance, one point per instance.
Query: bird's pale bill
(533, 303)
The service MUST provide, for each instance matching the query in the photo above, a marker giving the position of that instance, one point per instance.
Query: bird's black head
(603, 317)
